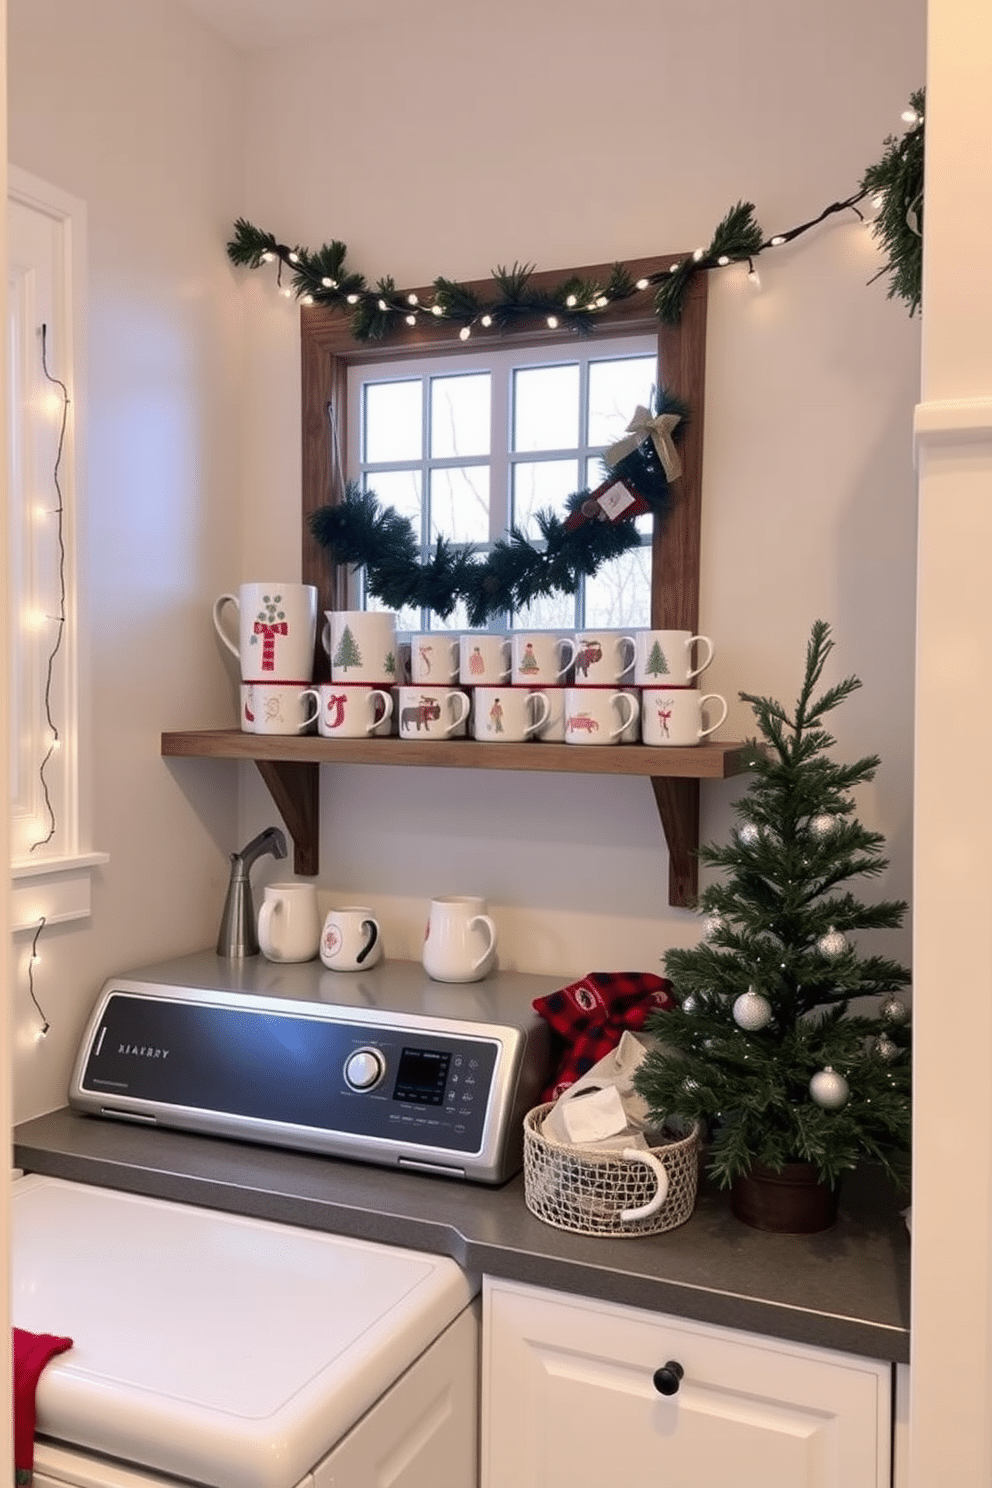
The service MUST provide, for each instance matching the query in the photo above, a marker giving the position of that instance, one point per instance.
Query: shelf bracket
(677, 799)
(294, 786)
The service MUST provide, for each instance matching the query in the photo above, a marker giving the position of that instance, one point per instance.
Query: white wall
(134, 109)
(570, 135)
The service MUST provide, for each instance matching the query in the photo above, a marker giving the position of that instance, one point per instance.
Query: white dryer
(217, 1350)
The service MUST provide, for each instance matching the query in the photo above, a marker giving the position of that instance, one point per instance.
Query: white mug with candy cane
(277, 629)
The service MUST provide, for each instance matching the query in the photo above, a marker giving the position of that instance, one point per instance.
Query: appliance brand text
(143, 1051)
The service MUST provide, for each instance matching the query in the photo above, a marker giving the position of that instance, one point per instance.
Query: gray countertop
(846, 1289)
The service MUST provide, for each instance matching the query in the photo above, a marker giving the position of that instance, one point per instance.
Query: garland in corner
(894, 184)
(362, 533)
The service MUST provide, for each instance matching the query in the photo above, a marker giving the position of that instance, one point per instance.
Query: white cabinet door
(569, 1402)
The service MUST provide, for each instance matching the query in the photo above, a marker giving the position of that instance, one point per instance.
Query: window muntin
(464, 446)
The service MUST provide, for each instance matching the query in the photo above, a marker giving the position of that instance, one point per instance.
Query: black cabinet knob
(668, 1378)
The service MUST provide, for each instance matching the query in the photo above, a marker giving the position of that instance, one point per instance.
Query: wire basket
(609, 1193)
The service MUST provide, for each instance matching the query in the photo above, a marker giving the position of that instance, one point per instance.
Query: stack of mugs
(277, 626)
(590, 687)
(593, 687)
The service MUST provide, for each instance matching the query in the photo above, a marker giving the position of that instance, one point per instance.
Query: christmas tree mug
(540, 657)
(675, 715)
(361, 645)
(664, 658)
(277, 628)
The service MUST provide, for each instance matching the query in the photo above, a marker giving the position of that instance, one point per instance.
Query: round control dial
(364, 1068)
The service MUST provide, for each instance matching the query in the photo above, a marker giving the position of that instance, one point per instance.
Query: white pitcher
(460, 943)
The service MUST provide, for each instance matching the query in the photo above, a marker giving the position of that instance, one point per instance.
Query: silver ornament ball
(829, 1090)
(894, 1011)
(834, 943)
(822, 825)
(885, 1049)
(749, 834)
(752, 1012)
(691, 1003)
(713, 925)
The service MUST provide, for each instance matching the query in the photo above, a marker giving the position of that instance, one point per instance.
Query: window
(465, 447)
(330, 359)
(48, 811)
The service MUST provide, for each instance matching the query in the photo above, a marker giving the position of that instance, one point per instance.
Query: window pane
(538, 485)
(460, 503)
(546, 408)
(457, 620)
(552, 612)
(400, 489)
(620, 593)
(393, 421)
(459, 416)
(616, 387)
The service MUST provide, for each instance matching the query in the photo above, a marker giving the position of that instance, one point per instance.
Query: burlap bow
(659, 430)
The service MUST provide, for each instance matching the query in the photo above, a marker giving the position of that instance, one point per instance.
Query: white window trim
(55, 887)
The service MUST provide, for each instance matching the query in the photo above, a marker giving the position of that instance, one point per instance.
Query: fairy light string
(894, 185)
(33, 959)
(59, 618)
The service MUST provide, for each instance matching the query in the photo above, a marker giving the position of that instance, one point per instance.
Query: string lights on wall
(57, 619)
(894, 187)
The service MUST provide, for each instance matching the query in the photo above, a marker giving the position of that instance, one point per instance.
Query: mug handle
(709, 697)
(703, 641)
(269, 908)
(488, 925)
(565, 643)
(463, 703)
(632, 711)
(314, 696)
(636, 1154)
(542, 704)
(629, 667)
(219, 603)
(387, 708)
(371, 928)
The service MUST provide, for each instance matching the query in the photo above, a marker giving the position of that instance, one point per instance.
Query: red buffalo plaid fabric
(589, 1017)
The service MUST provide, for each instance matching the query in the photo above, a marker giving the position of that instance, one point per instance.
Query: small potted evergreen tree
(795, 1084)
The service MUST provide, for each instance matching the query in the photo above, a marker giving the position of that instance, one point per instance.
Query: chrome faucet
(238, 935)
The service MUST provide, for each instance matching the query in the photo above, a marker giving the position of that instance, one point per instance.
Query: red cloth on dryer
(32, 1352)
(590, 1016)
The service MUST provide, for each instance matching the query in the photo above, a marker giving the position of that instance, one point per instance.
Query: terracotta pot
(793, 1202)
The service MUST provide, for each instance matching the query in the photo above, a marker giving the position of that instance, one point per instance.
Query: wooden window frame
(328, 350)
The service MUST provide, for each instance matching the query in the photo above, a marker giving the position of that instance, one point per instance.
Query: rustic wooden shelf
(289, 765)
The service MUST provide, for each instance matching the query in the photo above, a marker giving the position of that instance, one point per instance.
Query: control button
(364, 1068)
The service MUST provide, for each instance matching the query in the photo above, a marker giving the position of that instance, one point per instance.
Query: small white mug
(540, 658)
(431, 712)
(597, 715)
(602, 657)
(483, 659)
(508, 715)
(663, 658)
(434, 658)
(278, 707)
(288, 923)
(351, 710)
(674, 715)
(277, 627)
(460, 940)
(351, 939)
(361, 645)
